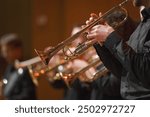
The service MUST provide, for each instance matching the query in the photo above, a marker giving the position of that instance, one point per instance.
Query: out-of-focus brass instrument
(51, 73)
(98, 74)
(46, 56)
(37, 69)
(26, 63)
(69, 78)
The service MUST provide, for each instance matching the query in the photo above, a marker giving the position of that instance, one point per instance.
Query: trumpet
(50, 72)
(69, 78)
(26, 63)
(100, 73)
(46, 56)
(37, 69)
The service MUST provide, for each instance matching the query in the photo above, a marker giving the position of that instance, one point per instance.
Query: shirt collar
(145, 13)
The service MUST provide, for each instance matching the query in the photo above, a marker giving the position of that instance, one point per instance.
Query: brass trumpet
(37, 69)
(50, 72)
(100, 73)
(70, 77)
(46, 56)
(26, 63)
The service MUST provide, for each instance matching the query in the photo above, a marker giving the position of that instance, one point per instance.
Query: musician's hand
(94, 17)
(100, 32)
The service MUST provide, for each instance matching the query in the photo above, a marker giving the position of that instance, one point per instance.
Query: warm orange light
(36, 74)
(42, 71)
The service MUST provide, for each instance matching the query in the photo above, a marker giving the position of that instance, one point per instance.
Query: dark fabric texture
(19, 86)
(130, 60)
(78, 91)
(106, 88)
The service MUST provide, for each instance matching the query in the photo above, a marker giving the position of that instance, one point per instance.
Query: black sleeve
(106, 87)
(28, 89)
(111, 86)
(109, 60)
(10, 86)
(138, 63)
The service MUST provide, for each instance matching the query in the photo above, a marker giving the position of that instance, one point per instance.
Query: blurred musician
(17, 82)
(3, 65)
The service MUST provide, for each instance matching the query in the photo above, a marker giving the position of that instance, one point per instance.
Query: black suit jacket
(19, 85)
